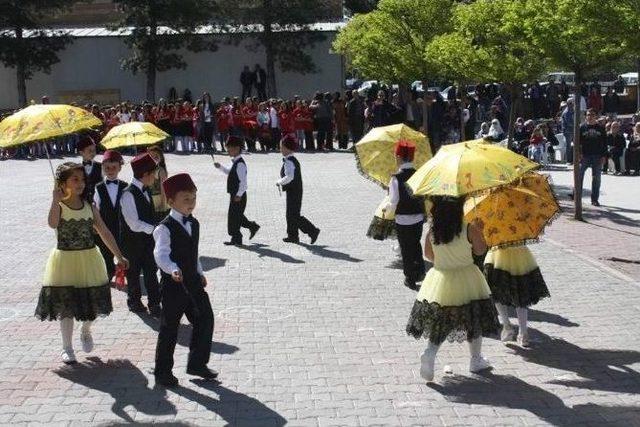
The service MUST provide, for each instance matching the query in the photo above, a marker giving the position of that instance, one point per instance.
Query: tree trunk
(513, 91)
(638, 85)
(21, 79)
(425, 114)
(577, 181)
(152, 65)
(272, 90)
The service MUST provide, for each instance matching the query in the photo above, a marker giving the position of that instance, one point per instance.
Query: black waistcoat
(184, 251)
(146, 213)
(296, 184)
(233, 181)
(93, 178)
(407, 205)
(110, 214)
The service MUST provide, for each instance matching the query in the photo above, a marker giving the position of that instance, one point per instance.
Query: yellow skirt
(454, 287)
(79, 269)
(517, 260)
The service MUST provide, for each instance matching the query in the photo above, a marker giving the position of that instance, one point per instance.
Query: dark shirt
(593, 140)
(616, 143)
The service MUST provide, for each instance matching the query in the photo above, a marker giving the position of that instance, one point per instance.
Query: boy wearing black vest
(237, 189)
(92, 169)
(291, 183)
(409, 213)
(137, 222)
(107, 200)
(182, 284)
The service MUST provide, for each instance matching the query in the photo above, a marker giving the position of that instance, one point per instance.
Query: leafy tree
(25, 43)
(579, 36)
(630, 31)
(158, 30)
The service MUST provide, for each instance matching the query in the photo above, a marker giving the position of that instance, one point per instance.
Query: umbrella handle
(46, 150)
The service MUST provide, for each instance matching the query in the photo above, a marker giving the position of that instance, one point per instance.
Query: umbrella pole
(46, 150)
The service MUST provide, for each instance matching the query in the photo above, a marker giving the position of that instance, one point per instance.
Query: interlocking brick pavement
(314, 335)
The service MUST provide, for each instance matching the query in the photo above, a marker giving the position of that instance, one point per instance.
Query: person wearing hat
(107, 199)
(137, 222)
(92, 169)
(409, 213)
(237, 189)
(182, 284)
(291, 183)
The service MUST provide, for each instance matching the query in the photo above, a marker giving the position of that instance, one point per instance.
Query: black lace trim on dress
(78, 303)
(381, 229)
(516, 291)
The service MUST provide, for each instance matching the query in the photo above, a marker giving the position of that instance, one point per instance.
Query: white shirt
(206, 110)
(112, 189)
(130, 213)
(162, 249)
(289, 171)
(124, 117)
(241, 170)
(273, 116)
(394, 196)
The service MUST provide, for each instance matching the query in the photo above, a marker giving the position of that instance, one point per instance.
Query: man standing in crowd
(567, 130)
(593, 144)
(246, 80)
(355, 114)
(260, 80)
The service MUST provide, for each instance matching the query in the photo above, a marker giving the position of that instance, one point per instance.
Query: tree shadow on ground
(235, 408)
(121, 379)
(506, 391)
(211, 263)
(595, 369)
(323, 252)
(263, 251)
(556, 319)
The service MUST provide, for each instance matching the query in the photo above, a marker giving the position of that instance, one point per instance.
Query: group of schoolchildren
(145, 226)
(455, 301)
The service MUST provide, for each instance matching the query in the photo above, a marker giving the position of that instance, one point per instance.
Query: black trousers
(236, 218)
(246, 91)
(411, 250)
(262, 93)
(141, 259)
(207, 135)
(323, 126)
(276, 135)
(192, 301)
(295, 221)
(108, 257)
(309, 143)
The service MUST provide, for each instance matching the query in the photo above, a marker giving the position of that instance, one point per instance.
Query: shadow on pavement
(211, 263)
(237, 409)
(124, 382)
(556, 319)
(507, 391)
(597, 369)
(323, 252)
(263, 251)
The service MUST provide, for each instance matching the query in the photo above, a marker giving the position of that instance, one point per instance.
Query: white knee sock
(475, 347)
(522, 313)
(86, 327)
(66, 328)
(503, 314)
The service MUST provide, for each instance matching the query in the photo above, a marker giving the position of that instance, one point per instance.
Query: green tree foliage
(159, 29)
(25, 43)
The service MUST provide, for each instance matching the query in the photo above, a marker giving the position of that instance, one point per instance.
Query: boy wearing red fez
(291, 183)
(409, 213)
(237, 189)
(137, 222)
(107, 199)
(182, 284)
(93, 170)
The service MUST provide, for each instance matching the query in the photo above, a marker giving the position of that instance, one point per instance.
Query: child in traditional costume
(75, 284)
(454, 301)
(93, 170)
(515, 281)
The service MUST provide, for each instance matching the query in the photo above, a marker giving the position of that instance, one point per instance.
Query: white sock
(66, 328)
(431, 348)
(86, 327)
(475, 347)
(503, 314)
(522, 313)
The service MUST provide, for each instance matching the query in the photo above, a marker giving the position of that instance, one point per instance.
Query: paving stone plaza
(315, 335)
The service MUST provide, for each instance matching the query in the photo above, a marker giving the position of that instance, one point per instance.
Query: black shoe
(290, 240)
(204, 372)
(254, 230)
(595, 203)
(314, 236)
(233, 243)
(410, 284)
(137, 308)
(155, 310)
(166, 380)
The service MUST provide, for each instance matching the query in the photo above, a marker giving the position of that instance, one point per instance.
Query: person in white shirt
(137, 222)
(274, 123)
(237, 189)
(409, 213)
(183, 282)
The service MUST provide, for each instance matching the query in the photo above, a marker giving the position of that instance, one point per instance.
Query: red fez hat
(112, 156)
(405, 149)
(85, 142)
(234, 141)
(143, 163)
(290, 142)
(179, 182)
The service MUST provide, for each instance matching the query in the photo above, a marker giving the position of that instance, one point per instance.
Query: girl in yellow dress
(454, 302)
(515, 281)
(75, 284)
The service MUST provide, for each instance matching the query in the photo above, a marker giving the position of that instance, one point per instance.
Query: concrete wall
(92, 64)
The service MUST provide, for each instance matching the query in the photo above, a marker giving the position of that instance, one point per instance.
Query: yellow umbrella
(468, 167)
(44, 121)
(375, 156)
(133, 134)
(516, 213)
